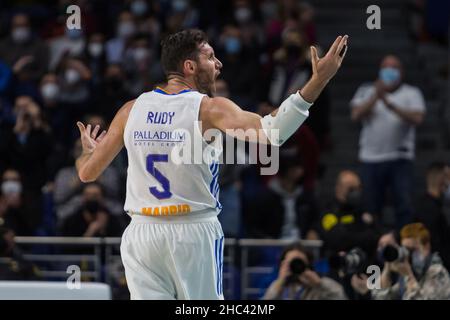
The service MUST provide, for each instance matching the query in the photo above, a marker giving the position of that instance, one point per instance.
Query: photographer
(92, 219)
(298, 281)
(421, 273)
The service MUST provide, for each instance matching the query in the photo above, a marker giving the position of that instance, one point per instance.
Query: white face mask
(50, 91)
(21, 34)
(126, 29)
(72, 76)
(140, 54)
(139, 7)
(243, 15)
(10, 187)
(95, 49)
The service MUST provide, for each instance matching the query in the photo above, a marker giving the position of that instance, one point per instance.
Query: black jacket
(264, 216)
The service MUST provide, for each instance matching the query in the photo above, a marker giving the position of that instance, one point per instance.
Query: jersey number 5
(165, 193)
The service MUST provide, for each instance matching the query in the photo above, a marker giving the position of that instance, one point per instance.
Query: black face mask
(293, 50)
(353, 199)
(114, 83)
(92, 206)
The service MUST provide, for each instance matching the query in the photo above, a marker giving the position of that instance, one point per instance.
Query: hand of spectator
(98, 224)
(80, 67)
(284, 272)
(403, 268)
(325, 68)
(310, 278)
(359, 283)
(23, 123)
(90, 140)
(380, 90)
(367, 218)
(21, 63)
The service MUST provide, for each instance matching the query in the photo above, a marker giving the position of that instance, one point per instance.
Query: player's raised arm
(223, 114)
(100, 150)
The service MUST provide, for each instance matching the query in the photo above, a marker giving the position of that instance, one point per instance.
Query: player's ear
(189, 67)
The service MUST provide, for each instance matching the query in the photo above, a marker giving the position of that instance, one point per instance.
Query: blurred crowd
(52, 76)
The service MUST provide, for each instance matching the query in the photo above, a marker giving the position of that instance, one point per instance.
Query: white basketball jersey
(162, 180)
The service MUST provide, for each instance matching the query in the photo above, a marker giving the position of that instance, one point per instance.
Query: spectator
(357, 287)
(421, 277)
(68, 186)
(126, 28)
(92, 219)
(283, 209)
(112, 93)
(95, 58)
(143, 69)
(18, 211)
(291, 71)
(307, 23)
(307, 285)
(345, 224)
(23, 50)
(27, 144)
(71, 45)
(429, 210)
(52, 110)
(73, 209)
(389, 111)
(244, 89)
(75, 94)
(13, 265)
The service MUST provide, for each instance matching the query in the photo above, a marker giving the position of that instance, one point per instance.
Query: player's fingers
(95, 131)
(334, 46)
(101, 136)
(314, 55)
(88, 130)
(341, 45)
(81, 127)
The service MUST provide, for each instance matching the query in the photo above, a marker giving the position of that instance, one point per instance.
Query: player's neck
(177, 83)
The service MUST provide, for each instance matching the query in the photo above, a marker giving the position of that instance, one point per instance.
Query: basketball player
(173, 246)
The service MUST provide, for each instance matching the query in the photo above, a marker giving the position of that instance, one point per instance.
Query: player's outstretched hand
(90, 140)
(325, 68)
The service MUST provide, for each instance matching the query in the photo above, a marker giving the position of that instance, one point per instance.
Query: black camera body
(297, 266)
(395, 254)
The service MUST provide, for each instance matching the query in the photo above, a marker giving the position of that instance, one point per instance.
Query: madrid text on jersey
(170, 210)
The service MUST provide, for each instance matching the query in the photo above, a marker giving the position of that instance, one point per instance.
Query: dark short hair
(297, 246)
(180, 46)
(436, 167)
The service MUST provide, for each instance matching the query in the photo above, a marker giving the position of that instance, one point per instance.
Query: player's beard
(205, 83)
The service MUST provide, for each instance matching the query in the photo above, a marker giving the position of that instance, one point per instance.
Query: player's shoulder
(126, 108)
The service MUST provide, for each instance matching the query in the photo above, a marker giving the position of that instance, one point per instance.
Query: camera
(391, 253)
(352, 262)
(297, 266)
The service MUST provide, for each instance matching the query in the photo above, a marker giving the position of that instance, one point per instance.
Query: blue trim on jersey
(158, 90)
(214, 186)
(221, 266)
(218, 254)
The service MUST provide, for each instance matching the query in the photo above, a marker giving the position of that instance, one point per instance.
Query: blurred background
(373, 156)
